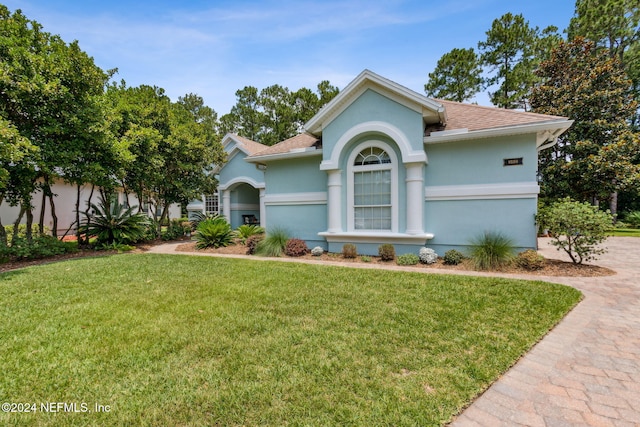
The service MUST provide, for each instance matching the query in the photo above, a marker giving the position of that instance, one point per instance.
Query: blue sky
(214, 48)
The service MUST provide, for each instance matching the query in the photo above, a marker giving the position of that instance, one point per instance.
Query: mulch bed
(552, 267)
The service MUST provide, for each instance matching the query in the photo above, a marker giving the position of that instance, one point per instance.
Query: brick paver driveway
(587, 370)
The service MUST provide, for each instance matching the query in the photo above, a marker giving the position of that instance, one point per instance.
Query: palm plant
(214, 233)
(247, 230)
(114, 223)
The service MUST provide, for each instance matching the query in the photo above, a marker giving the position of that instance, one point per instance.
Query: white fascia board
(556, 126)
(281, 156)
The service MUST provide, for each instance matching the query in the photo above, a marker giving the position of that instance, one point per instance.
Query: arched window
(373, 174)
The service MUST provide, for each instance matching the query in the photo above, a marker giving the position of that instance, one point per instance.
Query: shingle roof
(250, 146)
(476, 117)
(298, 142)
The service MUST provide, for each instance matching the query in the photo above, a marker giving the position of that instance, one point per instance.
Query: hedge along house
(383, 164)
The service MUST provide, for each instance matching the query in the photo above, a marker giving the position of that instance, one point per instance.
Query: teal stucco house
(383, 164)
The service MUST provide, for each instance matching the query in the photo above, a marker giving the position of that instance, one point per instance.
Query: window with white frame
(373, 173)
(211, 205)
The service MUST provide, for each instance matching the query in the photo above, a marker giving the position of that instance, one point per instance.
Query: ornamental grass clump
(491, 251)
(427, 256)
(273, 244)
(214, 233)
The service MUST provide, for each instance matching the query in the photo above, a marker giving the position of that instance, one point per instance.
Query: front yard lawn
(184, 340)
(628, 232)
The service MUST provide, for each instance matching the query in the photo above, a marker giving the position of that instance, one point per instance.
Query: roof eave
(555, 129)
(283, 156)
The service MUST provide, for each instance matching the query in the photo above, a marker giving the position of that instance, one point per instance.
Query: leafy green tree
(577, 228)
(594, 158)
(513, 50)
(457, 76)
(274, 113)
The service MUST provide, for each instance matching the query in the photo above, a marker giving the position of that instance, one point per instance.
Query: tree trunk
(29, 213)
(16, 224)
(3, 232)
(54, 227)
(43, 208)
(613, 206)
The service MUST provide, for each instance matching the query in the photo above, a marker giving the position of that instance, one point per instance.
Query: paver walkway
(586, 372)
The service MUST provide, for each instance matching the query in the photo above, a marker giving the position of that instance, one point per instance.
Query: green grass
(629, 232)
(179, 340)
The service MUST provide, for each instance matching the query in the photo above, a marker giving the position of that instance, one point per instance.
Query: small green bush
(633, 219)
(120, 247)
(296, 247)
(274, 244)
(214, 233)
(530, 260)
(252, 243)
(247, 230)
(22, 231)
(174, 231)
(39, 247)
(491, 251)
(452, 257)
(349, 250)
(387, 252)
(408, 259)
(365, 258)
(577, 228)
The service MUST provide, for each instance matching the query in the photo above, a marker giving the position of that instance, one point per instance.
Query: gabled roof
(300, 145)
(245, 145)
(431, 110)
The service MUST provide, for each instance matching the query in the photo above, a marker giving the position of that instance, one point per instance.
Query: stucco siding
(455, 222)
(299, 221)
(237, 168)
(481, 161)
(298, 175)
(372, 106)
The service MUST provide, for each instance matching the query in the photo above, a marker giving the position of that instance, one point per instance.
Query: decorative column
(263, 210)
(334, 197)
(415, 197)
(226, 204)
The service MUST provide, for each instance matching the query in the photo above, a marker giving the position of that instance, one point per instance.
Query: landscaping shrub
(175, 230)
(252, 243)
(214, 233)
(317, 251)
(530, 260)
(452, 257)
(577, 228)
(408, 259)
(633, 219)
(22, 231)
(349, 250)
(274, 244)
(365, 258)
(296, 247)
(114, 222)
(198, 217)
(38, 247)
(427, 256)
(247, 230)
(491, 251)
(387, 252)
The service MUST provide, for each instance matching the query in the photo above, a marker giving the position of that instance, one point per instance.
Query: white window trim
(394, 184)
